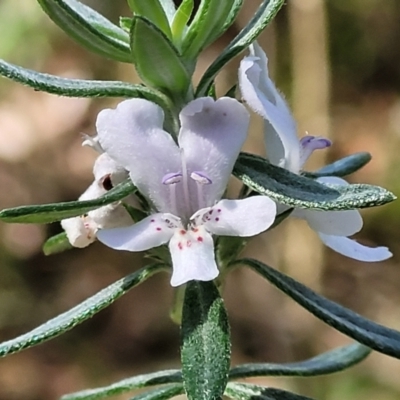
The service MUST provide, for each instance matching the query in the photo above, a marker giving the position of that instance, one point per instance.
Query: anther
(200, 177)
(171, 178)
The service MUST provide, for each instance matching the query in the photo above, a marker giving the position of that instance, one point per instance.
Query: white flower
(81, 231)
(284, 149)
(183, 182)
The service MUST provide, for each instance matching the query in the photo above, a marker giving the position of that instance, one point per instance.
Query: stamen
(171, 178)
(310, 143)
(200, 177)
(185, 183)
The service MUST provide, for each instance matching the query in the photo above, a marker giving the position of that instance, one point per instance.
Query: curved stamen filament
(185, 183)
(201, 179)
(171, 180)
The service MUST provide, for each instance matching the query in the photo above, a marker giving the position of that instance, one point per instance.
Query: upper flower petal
(153, 231)
(211, 137)
(132, 135)
(193, 257)
(353, 249)
(247, 217)
(340, 223)
(260, 93)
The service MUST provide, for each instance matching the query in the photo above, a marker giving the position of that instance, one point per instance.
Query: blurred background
(338, 64)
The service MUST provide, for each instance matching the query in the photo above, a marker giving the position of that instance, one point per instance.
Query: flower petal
(80, 231)
(132, 135)
(193, 257)
(340, 223)
(351, 248)
(211, 137)
(105, 166)
(247, 217)
(260, 93)
(153, 231)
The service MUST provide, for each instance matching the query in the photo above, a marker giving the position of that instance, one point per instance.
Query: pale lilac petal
(193, 257)
(153, 231)
(247, 217)
(105, 166)
(132, 135)
(80, 231)
(341, 223)
(260, 93)
(351, 248)
(211, 137)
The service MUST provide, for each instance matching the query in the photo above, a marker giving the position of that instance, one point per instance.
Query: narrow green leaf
(181, 18)
(326, 363)
(343, 167)
(153, 11)
(298, 191)
(369, 333)
(206, 26)
(46, 213)
(126, 385)
(89, 28)
(163, 393)
(79, 87)
(233, 13)
(156, 59)
(205, 350)
(57, 244)
(264, 15)
(79, 313)
(169, 9)
(245, 391)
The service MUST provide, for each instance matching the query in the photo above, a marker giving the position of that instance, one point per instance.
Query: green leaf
(126, 385)
(264, 15)
(125, 23)
(326, 363)
(89, 28)
(169, 9)
(79, 87)
(79, 313)
(245, 391)
(206, 26)
(343, 167)
(181, 18)
(161, 394)
(46, 213)
(298, 191)
(233, 13)
(57, 244)
(153, 11)
(369, 333)
(156, 59)
(205, 350)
